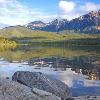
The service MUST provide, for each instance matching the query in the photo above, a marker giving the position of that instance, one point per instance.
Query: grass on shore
(23, 35)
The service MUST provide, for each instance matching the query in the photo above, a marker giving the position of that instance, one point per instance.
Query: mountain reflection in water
(84, 65)
(78, 67)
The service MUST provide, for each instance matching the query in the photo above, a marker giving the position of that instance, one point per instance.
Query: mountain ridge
(88, 23)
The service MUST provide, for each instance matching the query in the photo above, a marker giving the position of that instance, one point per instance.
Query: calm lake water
(78, 67)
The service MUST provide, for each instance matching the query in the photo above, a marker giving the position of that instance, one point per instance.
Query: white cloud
(89, 6)
(71, 9)
(13, 12)
(67, 10)
(66, 6)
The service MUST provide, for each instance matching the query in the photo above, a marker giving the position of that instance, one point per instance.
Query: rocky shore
(36, 86)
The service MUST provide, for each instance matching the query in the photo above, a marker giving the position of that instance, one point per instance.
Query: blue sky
(19, 12)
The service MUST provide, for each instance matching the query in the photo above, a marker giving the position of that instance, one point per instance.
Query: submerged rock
(10, 90)
(43, 82)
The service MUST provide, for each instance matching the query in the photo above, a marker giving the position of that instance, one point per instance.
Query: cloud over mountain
(72, 9)
(66, 6)
(13, 12)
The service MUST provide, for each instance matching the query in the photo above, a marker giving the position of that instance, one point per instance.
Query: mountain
(36, 25)
(89, 23)
(50, 27)
(55, 25)
(3, 25)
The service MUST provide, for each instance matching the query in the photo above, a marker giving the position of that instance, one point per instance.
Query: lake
(76, 66)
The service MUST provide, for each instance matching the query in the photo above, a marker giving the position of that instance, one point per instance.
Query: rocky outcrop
(43, 82)
(10, 90)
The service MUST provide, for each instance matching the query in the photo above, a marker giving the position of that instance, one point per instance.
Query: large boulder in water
(10, 90)
(42, 82)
